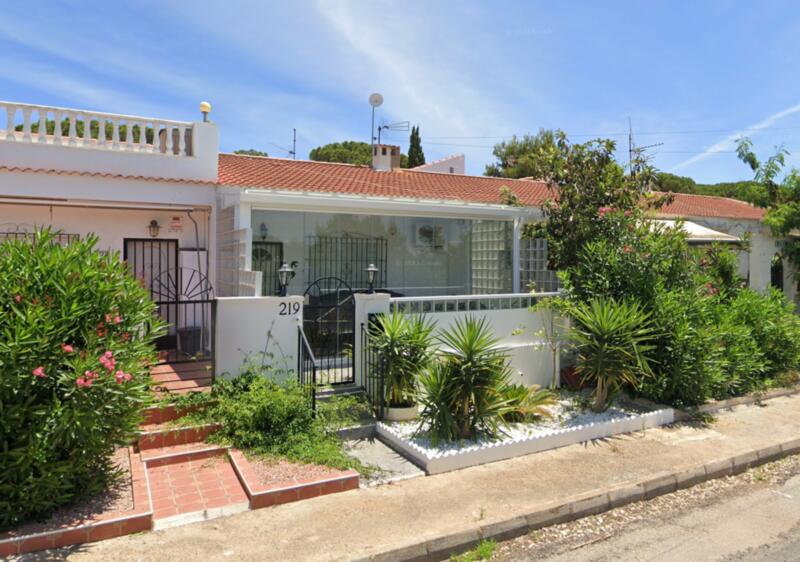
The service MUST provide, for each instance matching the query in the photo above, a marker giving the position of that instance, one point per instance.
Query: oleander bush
(76, 339)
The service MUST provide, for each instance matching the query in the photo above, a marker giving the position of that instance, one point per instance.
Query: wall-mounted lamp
(153, 228)
(371, 271)
(283, 278)
(205, 109)
(264, 231)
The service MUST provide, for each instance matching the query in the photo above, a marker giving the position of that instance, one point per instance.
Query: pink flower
(122, 376)
(90, 375)
(108, 318)
(18, 298)
(108, 354)
(38, 372)
(82, 382)
(117, 319)
(67, 348)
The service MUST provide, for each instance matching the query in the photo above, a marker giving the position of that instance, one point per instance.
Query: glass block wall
(491, 257)
(533, 271)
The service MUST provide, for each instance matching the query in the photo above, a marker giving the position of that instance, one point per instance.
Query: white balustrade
(173, 143)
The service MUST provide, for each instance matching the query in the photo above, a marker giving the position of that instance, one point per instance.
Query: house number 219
(289, 308)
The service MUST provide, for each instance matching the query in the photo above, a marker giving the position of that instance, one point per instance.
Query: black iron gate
(329, 325)
(184, 297)
(267, 258)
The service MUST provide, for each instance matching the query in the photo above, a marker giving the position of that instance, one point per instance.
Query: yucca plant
(464, 389)
(527, 403)
(612, 339)
(404, 344)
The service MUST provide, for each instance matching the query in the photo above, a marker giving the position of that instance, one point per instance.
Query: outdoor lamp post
(283, 277)
(371, 271)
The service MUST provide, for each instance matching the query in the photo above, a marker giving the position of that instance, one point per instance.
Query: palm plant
(404, 344)
(464, 390)
(612, 339)
(527, 403)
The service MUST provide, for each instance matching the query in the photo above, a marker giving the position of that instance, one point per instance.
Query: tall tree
(781, 195)
(346, 152)
(587, 187)
(415, 155)
(524, 157)
(250, 152)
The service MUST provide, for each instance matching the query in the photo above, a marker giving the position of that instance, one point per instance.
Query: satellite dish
(375, 100)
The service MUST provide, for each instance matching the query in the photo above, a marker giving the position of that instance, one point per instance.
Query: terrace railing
(465, 303)
(60, 126)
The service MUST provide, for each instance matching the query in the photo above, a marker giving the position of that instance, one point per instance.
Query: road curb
(442, 546)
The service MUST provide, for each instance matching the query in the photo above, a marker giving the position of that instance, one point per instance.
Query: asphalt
(427, 518)
(761, 525)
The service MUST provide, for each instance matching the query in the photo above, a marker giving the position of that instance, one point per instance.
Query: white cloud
(728, 142)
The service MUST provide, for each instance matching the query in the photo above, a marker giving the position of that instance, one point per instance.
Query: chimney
(385, 157)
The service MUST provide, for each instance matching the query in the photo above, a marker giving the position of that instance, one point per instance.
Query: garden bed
(269, 483)
(568, 426)
(122, 509)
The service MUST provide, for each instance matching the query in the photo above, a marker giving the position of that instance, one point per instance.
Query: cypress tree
(415, 155)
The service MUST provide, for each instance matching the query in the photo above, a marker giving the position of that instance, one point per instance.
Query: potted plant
(404, 345)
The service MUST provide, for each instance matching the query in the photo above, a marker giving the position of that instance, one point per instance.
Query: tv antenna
(399, 126)
(290, 151)
(375, 100)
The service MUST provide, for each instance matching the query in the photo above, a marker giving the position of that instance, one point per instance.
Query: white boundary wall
(249, 326)
(509, 317)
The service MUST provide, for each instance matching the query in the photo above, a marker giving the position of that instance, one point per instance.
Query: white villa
(195, 224)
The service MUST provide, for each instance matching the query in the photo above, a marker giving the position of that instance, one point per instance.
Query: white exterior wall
(518, 331)
(763, 246)
(249, 327)
(111, 208)
(455, 164)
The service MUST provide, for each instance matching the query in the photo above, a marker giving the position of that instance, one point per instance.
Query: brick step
(182, 376)
(181, 367)
(185, 385)
(162, 435)
(174, 453)
(195, 487)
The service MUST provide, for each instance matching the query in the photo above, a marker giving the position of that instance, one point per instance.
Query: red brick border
(107, 526)
(285, 492)
(176, 436)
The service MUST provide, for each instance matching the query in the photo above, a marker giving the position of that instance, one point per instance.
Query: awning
(698, 234)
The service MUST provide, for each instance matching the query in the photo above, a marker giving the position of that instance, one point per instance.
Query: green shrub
(685, 356)
(612, 340)
(774, 325)
(265, 417)
(404, 344)
(463, 390)
(77, 336)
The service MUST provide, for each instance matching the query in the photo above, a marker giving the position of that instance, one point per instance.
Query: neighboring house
(455, 164)
(193, 223)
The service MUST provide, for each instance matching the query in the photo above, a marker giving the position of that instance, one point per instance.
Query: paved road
(761, 525)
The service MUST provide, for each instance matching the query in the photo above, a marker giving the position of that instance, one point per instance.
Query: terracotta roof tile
(276, 173)
(686, 205)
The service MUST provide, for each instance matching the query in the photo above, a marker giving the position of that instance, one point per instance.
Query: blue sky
(691, 75)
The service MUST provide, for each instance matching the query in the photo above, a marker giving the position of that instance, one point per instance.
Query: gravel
(564, 415)
(281, 471)
(117, 498)
(567, 537)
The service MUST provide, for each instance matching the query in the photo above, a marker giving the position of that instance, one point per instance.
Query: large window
(415, 255)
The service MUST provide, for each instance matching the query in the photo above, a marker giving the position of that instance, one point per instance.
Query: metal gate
(329, 325)
(267, 258)
(184, 297)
